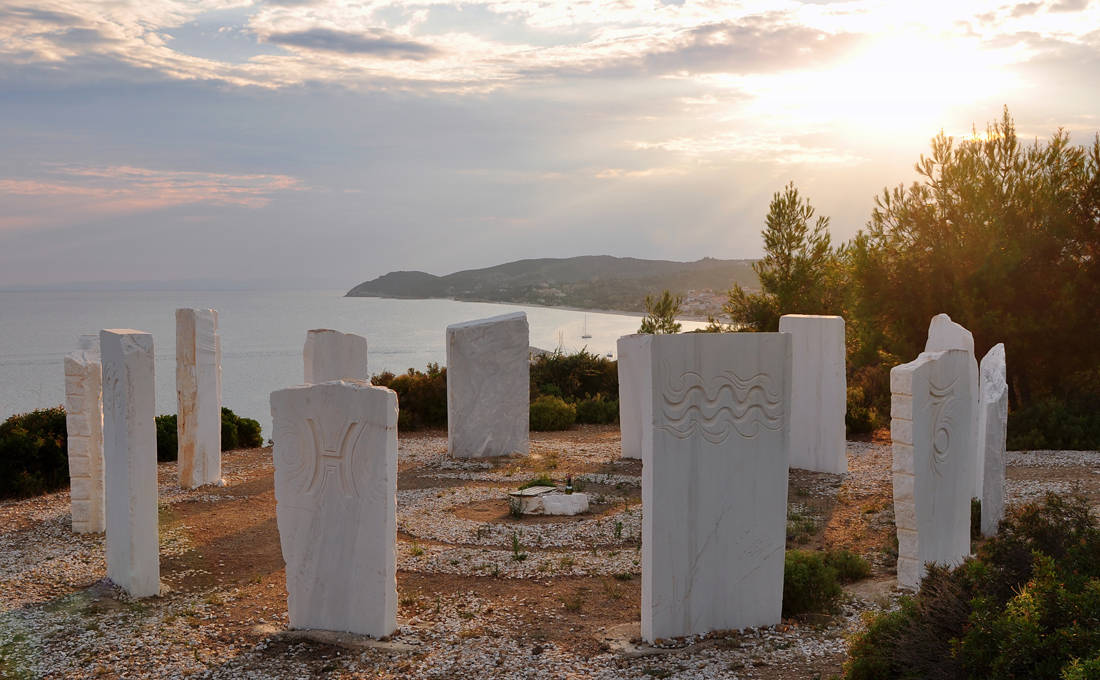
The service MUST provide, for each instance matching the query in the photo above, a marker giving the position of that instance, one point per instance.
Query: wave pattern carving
(715, 409)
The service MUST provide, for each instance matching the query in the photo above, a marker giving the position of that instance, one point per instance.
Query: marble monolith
(945, 334)
(635, 391)
(992, 431)
(198, 397)
(130, 460)
(336, 504)
(332, 355)
(714, 487)
(931, 408)
(488, 387)
(819, 392)
(84, 434)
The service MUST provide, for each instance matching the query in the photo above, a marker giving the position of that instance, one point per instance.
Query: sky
(317, 143)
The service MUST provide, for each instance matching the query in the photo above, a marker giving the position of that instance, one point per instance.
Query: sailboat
(585, 335)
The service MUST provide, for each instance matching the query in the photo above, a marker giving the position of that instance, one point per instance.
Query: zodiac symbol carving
(942, 423)
(333, 461)
(728, 403)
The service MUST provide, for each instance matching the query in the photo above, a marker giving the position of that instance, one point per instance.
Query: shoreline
(616, 312)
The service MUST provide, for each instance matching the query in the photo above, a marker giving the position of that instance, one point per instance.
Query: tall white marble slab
(714, 486)
(488, 387)
(336, 504)
(945, 334)
(332, 355)
(819, 392)
(84, 434)
(130, 460)
(635, 395)
(199, 397)
(931, 408)
(992, 433)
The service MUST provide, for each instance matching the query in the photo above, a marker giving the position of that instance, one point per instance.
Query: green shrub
(1024, 607)
(1053, 423)
(245, 431)
(849, 566)
(542, 480)
(33, 453)
(551, 413)
(237, 433)
(809, 583)
(421, 396)
(868, 399)
(598, 410)
(859, 417)
(574, 376)
(167, 437)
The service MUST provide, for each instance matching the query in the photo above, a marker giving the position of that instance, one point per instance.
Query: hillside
(586, 282)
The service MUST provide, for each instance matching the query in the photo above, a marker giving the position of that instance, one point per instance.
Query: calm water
(262, 336)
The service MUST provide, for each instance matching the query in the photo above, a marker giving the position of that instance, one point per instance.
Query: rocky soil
(481, 593)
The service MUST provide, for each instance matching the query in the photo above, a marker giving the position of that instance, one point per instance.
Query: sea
(262, 334)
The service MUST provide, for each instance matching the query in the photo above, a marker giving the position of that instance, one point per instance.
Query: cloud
(756, 44)
(373, 43)
(65, 192)
(1069, 5)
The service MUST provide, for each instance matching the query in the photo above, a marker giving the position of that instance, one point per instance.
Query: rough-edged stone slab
(130, 460)
(819, 392)
(714, 486)
(945, 334)
(198, 397)
(635, 390)
(336, 504)
(992, 431)
(84, 433)
(931, 408)
(488, 387)
(332, 355)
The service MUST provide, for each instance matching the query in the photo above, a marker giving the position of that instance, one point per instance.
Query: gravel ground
(560, 604)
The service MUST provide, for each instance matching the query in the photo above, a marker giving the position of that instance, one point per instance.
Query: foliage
(168, 438)
(551, 413)
(800, 273)
(1004, 239)
(244, 433)
(661, 313)
(598, 410)
(33, 453)
(809, 583)
(1053, 423)
(237, 433)
(574, 377)
(542, 480)
(1024, 607)
(849, 566)
(421, 396)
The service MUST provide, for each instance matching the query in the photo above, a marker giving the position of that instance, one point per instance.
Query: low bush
(574, 377)
(551, 413)
(167, 438)
(1024, 607)
(849, 566)
(237, 433)
(868, 399)
(421, 396)
(34, 457)
(242, 433)
(809, 584)
(598, 410)
(1053, 423)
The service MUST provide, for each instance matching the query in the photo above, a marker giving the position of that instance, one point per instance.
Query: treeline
(1002, 236)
